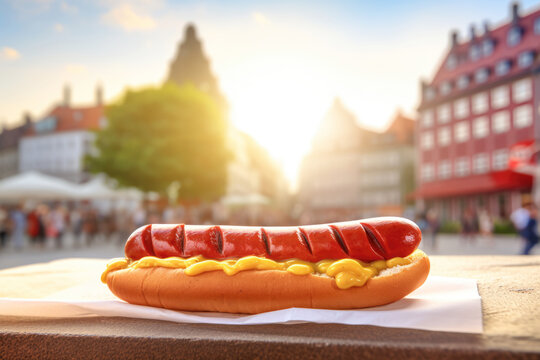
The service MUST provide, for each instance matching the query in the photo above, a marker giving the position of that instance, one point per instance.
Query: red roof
(403, 128)
(70, 119)
(501, 51)
(485, 183)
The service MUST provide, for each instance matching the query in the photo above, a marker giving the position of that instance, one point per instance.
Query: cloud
(260, 18)
(58, 27)
(125, 17)
(8, 53)
(68, 8)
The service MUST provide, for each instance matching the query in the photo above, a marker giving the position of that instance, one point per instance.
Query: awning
(485, 183)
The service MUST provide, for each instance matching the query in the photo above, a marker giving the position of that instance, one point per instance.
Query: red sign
(522, 153)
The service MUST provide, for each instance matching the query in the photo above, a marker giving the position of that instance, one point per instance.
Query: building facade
(483, 99)
(9, 147)
(57, 143)
(352, 172)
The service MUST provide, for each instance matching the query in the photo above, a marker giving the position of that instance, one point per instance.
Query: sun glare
(278, 105)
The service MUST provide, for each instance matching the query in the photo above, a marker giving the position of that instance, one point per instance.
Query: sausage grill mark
(264, 237)
(305, 239)
(339, 239)
(180, 238)
(147, 240)
(217, 236)
(374, 242)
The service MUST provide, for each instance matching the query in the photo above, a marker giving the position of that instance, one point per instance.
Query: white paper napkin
(441, 304)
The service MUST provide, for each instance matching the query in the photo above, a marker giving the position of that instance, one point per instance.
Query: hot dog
(236, 269)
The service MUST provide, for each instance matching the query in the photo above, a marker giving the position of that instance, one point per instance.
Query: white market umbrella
(98, 188)
(36, 186)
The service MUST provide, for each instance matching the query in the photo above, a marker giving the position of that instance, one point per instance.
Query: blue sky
(280, 63)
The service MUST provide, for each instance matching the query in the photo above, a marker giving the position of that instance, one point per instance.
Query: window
(474, 52)
(480, 127)
(500, 159)
(429, 93)
(461, 131)
(446, 87)
(463, 81)
(480, 103)
(537, 26)
(443, 113)
(427, 140)
(451, 62)
(444, 169)
(525, 59)
(502, 67)
(522, 90)
(501, 121)
(444, 137)
(481, 163)
(427, 118)
(500, 97)
(514, 36)
(461, 108)
(523, 116)
(427, 172)
(462, 167)
(487, 47)
(481, 75)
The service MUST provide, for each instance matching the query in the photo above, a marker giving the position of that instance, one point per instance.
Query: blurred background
(120, 113)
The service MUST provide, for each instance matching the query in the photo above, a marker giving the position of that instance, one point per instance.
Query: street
(446, 245)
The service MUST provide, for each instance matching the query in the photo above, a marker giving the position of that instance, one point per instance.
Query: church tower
(191, 65)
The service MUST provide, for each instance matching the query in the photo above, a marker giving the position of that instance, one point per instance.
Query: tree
(157, 138)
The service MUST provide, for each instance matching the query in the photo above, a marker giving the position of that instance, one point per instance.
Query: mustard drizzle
(347, 273)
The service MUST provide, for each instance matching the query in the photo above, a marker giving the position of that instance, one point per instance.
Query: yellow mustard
(346, 272)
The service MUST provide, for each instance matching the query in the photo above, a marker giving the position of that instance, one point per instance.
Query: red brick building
(483, 98)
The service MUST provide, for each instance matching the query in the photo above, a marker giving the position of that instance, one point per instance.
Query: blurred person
(521, 216)
(139, 217)
(433, 227)
(469, 226)
(57, 225)
(76, 224)
(422, 222)
(89, 225)
(485, 225)
(19, 224)
(530, 231)
(124, 227)
(4, 226)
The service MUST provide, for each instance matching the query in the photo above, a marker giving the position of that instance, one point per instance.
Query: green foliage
(157, 136)
(503, 226)
(450, 227)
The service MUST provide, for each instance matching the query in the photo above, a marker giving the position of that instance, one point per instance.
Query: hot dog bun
(256, 291)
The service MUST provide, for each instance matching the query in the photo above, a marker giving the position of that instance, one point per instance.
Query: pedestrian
(19, 224)
(521, 216)
(433, 227)
(469, 226)
(57, 225)
(530, 231)
(4, 219)
(486, 225)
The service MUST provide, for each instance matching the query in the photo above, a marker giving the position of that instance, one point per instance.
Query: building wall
(494, 143)
(471, 141)
(365, 182)
(60, 154)
(9, 162)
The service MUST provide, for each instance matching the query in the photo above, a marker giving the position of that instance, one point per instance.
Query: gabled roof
(402, 128)
(501, 51)
(63, 118)
(9, 138)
